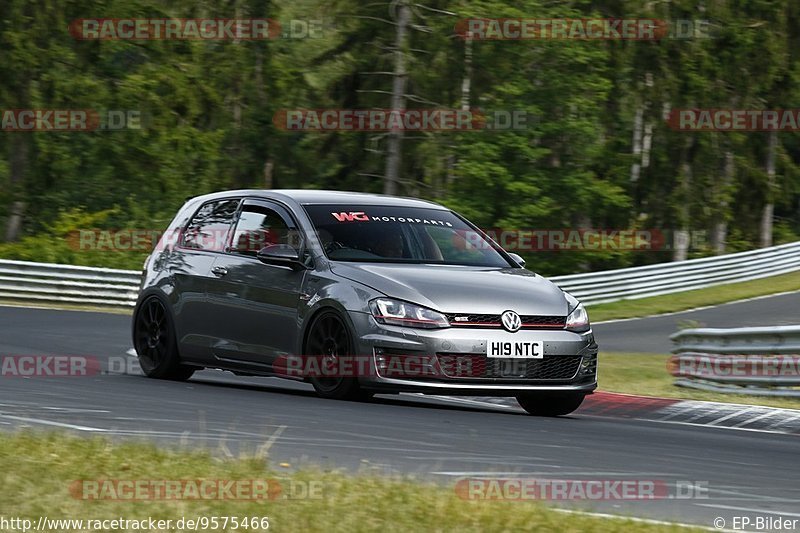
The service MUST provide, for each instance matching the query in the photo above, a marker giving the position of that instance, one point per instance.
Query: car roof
(323, 197)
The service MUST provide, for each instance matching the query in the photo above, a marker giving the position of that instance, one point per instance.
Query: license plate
(515, 349)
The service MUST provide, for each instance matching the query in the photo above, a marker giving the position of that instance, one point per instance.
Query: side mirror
(517, 259)
(280, 255)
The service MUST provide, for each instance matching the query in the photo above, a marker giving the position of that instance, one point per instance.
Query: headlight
(578, 320)
(397, 313)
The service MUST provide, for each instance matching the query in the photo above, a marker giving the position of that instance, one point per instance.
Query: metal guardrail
(762, 361)
(666, 278)
(32, 283)
(53, 284)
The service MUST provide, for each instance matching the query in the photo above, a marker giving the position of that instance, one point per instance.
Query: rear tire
(330, 338)
(550, 404)
(156, 344)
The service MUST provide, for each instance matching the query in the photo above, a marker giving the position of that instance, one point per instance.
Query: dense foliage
(599, 154)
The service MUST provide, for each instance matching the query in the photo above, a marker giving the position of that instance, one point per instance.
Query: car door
(190, 264)
(256, 304)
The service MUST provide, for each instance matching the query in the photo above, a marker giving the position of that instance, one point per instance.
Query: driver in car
(389, 244)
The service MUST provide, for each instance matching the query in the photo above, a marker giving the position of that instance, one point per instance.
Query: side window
(258, 227)
(208, 229)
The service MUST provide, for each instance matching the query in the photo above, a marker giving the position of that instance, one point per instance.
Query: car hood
(459, 289)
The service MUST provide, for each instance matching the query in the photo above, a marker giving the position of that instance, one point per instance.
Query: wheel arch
(165, 301)
(322, 307)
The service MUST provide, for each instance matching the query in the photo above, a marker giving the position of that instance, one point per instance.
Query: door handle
(219, 271)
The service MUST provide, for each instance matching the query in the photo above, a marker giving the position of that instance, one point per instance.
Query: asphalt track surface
(749, 473)
(651, 335)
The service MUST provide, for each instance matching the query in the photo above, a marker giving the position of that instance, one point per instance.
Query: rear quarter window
(209, 228)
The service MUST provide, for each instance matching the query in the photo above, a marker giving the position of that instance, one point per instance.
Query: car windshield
(389, 234)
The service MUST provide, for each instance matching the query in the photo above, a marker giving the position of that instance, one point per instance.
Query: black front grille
(471, 366)
(474, 319)
(493, 321)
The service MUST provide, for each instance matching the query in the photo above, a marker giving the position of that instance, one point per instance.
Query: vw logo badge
(511, 321)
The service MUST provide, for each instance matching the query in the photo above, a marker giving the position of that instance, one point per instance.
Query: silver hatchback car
(357, 294)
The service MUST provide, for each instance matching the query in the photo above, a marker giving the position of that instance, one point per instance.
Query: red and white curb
(667, 410)
(693, 412)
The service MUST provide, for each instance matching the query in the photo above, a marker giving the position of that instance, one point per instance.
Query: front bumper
(562, 350)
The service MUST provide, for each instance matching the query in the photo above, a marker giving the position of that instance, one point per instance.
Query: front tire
(330, 339)
(156, 343)
(550, 404)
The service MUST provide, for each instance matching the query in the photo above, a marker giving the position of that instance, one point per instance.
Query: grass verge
(646, 374)
(682, 301)
(39, 468)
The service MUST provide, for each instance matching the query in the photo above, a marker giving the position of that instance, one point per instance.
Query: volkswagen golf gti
(357, 294)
